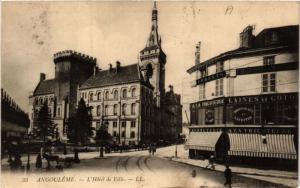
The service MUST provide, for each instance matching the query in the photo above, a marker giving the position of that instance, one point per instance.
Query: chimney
(42, 77)
(96, 69)
(171, 88)
(197, 53)
(246, 37)
(118, 66)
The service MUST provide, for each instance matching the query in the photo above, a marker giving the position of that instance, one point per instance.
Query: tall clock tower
(153, 60)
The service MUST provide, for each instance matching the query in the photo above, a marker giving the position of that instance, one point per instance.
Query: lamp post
(28, 151)
(176, 146)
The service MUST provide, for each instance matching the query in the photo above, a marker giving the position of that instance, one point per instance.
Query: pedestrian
(210, 164)
(65, 149)
(42, 151)
(52, 149)
(153, 150)
(38, 163)
(150, 149)
(228, 175)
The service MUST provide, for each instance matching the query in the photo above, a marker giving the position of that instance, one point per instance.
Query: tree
(103, 138)
(80, 126)
(45, 126)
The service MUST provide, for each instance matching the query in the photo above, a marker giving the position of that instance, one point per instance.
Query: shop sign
(243, 115)
(268, 68)
(211, 77)
(209, 116)
(262, 99)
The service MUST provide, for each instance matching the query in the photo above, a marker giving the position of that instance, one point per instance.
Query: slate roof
(125, 74)
(45, 87)
(288, 40)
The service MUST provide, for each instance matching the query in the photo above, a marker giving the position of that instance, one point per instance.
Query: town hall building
(130, 100)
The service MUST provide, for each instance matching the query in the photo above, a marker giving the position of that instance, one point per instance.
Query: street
(135, 169)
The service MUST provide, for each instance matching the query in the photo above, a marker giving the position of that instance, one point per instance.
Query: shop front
(258, 126)
(268, 109)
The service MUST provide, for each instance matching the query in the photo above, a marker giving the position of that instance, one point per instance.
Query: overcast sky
(33, 31)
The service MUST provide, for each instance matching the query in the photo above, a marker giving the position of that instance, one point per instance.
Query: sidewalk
(288, 178)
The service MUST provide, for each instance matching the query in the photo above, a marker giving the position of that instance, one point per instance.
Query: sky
(109, 31)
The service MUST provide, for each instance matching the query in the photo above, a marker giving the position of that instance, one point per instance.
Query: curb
(240, 173)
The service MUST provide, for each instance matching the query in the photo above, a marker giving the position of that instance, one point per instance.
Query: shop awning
(202, 140)
(251, 145)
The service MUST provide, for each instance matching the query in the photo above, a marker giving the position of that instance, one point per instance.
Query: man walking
(227, 174)
(210, 164)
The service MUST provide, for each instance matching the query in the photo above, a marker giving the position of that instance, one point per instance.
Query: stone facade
(130, 100)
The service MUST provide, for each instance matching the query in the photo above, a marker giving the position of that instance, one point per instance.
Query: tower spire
(154, 12)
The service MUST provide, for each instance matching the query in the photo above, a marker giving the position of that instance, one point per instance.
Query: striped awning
(202, 140)
(251, 145)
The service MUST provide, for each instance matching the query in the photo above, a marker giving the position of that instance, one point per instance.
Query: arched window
(46, 100)
(133, 108)
(123, 134)
(124, 106)
(133, 92)
(115, 109)
(116, 94)
(106, 110)
(98, 110)
(132, 134)
(99, 96)
(124, 93)
(106, 95)
(91, 97)
(36, 101)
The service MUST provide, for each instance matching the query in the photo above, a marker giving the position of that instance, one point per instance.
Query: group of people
(152, 149)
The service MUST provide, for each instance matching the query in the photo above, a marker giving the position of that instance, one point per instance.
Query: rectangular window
(124, 124)
(132, 124)
(220, 67)
(97, 125)
(114, 133)
(115, 124)
(58, 112)
(219, 87)
(268, 82)
(269, 60)
(202, 91)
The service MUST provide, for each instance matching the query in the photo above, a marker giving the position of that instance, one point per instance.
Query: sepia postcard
(149, 94)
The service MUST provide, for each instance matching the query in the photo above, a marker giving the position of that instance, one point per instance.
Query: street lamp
(176, 146)
(28, 151)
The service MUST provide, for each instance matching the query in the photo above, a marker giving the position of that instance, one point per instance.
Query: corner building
(247, 106)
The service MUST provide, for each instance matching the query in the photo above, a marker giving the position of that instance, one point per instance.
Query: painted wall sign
(209, 116)
(243, 115)
(252, 99)
(211, 77)
(268, 68)
(258, 99)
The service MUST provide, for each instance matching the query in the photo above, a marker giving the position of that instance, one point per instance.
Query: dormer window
(269, 60)
(274, 37)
